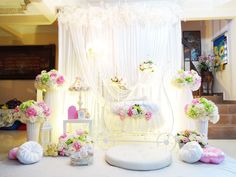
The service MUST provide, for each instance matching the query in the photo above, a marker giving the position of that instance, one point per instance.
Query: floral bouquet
(187, 79)
(147, 66)
(201, 108)
(135, 111)
(208, 63)
(186, 136)
(49, 80)
(79, 143)
(33, 111)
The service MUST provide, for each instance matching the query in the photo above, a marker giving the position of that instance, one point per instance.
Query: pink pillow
(212, 155)
(12, 153)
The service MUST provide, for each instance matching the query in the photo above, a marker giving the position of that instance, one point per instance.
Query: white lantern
(46, 134)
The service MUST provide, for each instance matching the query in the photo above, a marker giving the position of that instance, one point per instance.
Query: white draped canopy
(97, 43)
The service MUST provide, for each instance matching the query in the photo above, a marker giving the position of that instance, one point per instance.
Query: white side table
(77, 121)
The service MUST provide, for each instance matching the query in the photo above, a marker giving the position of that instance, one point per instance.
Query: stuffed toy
(51, 150)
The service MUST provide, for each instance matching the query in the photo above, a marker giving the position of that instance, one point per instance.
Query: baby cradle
(134, 129)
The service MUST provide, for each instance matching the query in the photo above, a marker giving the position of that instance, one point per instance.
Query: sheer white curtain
(99, 42)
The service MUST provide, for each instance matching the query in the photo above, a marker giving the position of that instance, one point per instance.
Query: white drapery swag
(99, 42)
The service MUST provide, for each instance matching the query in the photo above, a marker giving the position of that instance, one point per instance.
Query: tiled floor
(10, 139)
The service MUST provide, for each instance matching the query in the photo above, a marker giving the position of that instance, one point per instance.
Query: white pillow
(191, 152)
(30, 152)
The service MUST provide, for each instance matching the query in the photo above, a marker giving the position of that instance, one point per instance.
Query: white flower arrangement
(201, 108)
(187, 79)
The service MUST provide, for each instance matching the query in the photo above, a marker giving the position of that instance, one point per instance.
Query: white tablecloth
(60, 167)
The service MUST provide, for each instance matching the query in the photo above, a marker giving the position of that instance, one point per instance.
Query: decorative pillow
(212, 155)
(30, 152)
(12, 153)
(191, 152)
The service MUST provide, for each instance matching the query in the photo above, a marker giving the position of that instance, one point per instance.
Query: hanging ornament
(119, 82)
(147, 66)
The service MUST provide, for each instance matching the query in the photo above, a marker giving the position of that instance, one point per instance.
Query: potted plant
(208, 64)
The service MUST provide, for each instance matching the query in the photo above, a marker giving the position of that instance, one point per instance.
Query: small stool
(77, 121)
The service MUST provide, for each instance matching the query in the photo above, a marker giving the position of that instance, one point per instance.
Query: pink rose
(130, 113)
(31, 112)
(60, 80)
(148, 115)
(195, 101)
(77, 146)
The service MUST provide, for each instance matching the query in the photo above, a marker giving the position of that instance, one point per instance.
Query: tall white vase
(51, 98)
(202, 126)
(33, 131)
(184, 96)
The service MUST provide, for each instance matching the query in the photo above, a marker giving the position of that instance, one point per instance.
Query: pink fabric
(212, 155)
(12, 153)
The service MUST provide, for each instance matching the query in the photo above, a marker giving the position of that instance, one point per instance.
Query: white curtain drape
(100, 42)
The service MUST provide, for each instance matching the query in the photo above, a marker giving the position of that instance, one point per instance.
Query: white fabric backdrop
(99, 42)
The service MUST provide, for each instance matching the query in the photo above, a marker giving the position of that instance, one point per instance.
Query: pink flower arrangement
(69, 144)
(33, 111)
(49, 80)
(135, 111)
(186, 136)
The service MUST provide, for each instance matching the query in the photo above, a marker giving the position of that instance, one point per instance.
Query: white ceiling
(41, 14)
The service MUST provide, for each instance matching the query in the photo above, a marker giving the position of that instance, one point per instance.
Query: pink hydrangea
(31, 112)
(148, 115)
(60, 80)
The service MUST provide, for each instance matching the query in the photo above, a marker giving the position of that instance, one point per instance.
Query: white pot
(33, 131)
(202, 126)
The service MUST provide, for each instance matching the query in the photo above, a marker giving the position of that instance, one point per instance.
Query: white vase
(51, 98)
(33, 131)
(202, 126)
